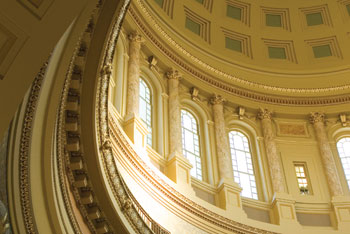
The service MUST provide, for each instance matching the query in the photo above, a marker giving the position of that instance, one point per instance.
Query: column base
(283, 207)
(341, 207)
(136, 131)
(230, 198)
(178, 170)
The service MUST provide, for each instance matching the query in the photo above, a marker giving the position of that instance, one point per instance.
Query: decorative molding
(264, 114)
(121, 143)
(316, 117)
(282, 12)
(234, 90)
(12, 39)
(38, 8)
(217, 100)
(245, 10)
(287, 45)
(322, 9)
(244, 39)
(173, 74)
(331, 41)
(204, 31)
(294, 129)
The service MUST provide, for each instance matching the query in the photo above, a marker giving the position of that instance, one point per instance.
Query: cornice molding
(139, 6)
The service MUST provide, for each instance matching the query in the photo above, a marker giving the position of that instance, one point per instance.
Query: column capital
(107, 69)
(136, 37)
(264, 114)
(217, 99)
(316, 117)
(173, 74)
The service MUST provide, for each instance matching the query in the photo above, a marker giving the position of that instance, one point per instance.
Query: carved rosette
(107, 70)
(318, 119)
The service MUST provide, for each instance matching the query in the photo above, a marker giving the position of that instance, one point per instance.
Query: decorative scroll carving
(264, 114)
(173, 74)
(217, 99)
(316, 117)
(136, 37)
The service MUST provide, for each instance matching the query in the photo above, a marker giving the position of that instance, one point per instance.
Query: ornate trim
(121, 143)
(264, 114)
(26, 135)
(317, 117)
(233, 90)
(217, 99)
(173, 74)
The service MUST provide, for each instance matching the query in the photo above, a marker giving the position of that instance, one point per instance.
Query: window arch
(242, 164)
(190, 143)
(145, 109)
(343, 146)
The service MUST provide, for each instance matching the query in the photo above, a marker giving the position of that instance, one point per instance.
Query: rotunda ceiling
(292, 47)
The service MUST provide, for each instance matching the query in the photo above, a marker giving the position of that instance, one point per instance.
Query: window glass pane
(190, 143)
(242, 164)
(343, 146)
(145, 110)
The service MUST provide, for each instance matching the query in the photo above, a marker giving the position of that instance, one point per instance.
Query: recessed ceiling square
(273, 20)
(234, 12)
(233, 44)
(277, 53)
(322, 51)
(314, 19)
(159, 2)
(193, 26)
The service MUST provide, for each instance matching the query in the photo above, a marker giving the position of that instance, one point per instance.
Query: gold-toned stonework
(282, 99)
(173, 74)
(26, 202)
(316, 117)
(292, 129)
(264, 114)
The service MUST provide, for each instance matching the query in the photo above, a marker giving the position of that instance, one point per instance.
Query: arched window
(343, 146)
(242, 164)
(190, 143)
(145, 110)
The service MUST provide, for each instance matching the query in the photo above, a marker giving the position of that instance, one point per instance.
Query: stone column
(132, 100)
(283, 204)
(133, 126)
(317, 120)
(276, 171)
(229, 191)
(175, 138)
(340, 203)
(178, 167)
(222, 146)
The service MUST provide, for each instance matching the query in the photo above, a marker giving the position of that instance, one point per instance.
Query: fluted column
(222, 146)
(317, 119)
(276, 172)
(175, 138)
(132, 103)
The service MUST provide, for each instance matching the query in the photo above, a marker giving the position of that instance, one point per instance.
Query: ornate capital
(107, 69)
(173, 74)
(264, 114)
(316, 117)
(217, 99)
(136, 37)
